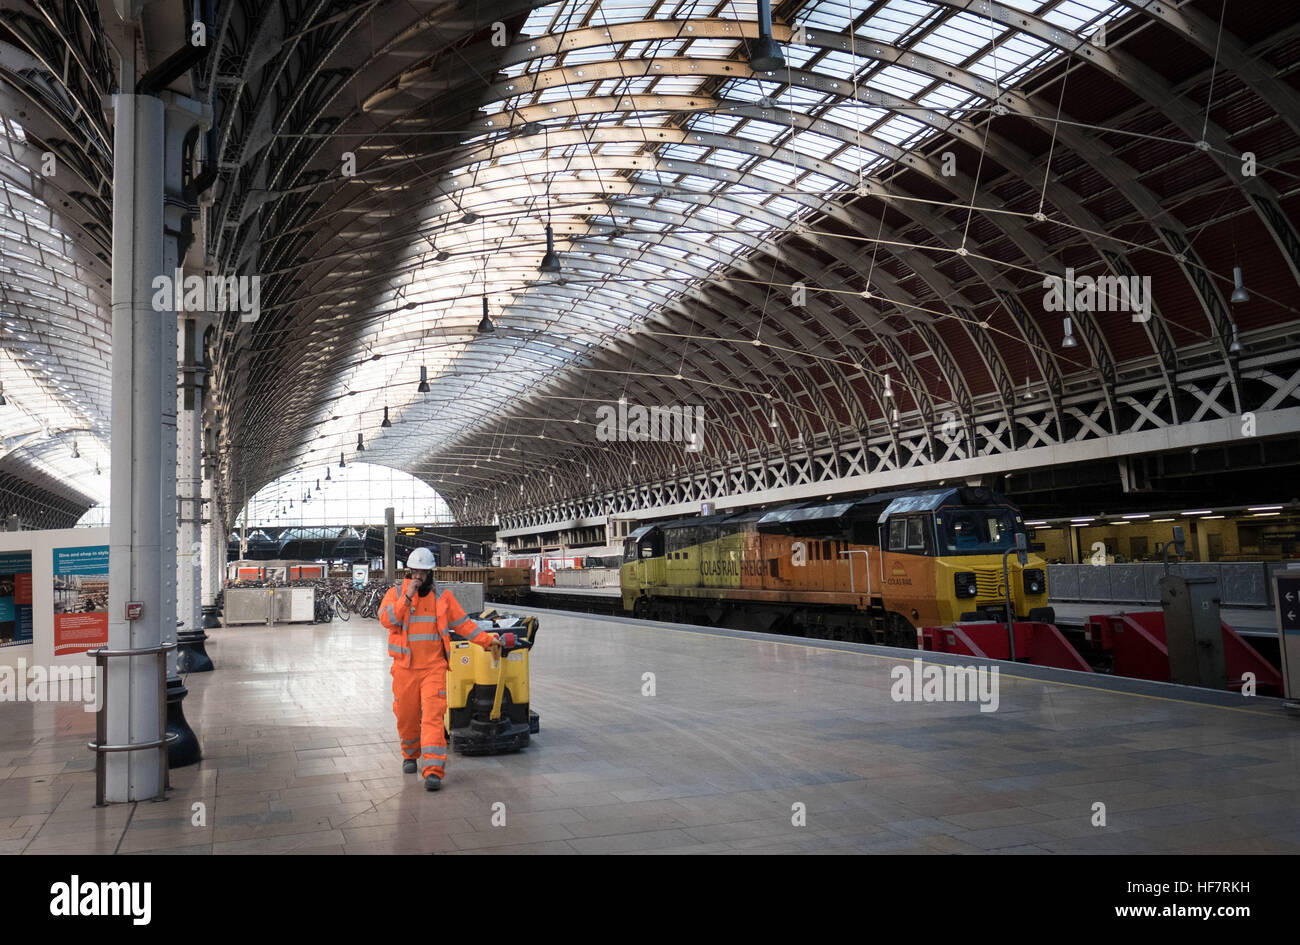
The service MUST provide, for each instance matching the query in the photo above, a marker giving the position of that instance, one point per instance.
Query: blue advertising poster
(15, 597)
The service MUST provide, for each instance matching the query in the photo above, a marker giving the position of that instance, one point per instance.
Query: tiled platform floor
(301, 757)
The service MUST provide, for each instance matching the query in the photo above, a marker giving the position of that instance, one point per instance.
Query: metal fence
(587, 577)
(1241, 583)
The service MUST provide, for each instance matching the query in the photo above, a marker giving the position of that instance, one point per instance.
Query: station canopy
(798, 251)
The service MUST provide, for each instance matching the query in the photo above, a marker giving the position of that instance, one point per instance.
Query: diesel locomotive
(866, 570)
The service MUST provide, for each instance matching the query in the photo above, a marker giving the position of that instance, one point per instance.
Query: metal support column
(133, 684)
(390, 545)
(181, 115)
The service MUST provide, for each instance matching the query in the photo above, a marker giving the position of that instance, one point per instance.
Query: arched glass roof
(54, 338)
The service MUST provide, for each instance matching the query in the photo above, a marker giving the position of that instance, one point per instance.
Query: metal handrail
(164, 739)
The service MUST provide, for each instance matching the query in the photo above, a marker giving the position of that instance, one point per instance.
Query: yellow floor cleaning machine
(487, 699)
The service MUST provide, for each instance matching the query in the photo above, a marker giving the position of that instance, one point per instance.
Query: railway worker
(419, 623)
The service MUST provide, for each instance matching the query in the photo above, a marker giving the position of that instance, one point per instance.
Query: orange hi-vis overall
(419, 640)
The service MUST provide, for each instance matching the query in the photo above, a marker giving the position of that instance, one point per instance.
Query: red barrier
(1138, 649)
(1038, 643)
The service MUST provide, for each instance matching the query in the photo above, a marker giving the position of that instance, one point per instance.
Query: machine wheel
(641, 608)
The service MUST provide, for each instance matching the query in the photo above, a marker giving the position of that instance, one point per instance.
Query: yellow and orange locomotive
(868, 570)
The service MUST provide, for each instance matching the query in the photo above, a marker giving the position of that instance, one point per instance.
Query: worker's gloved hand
(495, 648)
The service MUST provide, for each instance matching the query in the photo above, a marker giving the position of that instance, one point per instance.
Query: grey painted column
(390, 545)
(212, 567)
(134, 684)
(189, 489)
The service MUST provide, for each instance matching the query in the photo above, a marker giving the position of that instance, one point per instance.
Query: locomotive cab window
(907, 534)
(978, 531)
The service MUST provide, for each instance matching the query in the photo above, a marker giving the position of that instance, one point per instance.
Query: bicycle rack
(100, 749)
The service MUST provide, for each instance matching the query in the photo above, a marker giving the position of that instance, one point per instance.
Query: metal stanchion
(101, 721)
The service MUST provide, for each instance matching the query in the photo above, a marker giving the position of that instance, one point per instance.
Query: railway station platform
(745, 743)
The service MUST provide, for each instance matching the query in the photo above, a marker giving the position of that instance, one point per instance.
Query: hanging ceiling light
(893, 419)
(327, 469)
(361, 444)
(424, 380)
(1235, 346)
(1239, 293)
(75, 453)
(386, 422)
(550, 261)
(485, 324)
(327, 473)
(766, 53)
(1029, 395)
(2, 395)
(342, 465)
(889, 388)
(772, 423)
(97, 472)
(1068, 341)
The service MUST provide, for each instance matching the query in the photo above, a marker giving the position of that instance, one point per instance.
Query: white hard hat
(421, 560)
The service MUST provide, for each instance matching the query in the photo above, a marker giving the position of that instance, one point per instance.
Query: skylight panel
(853, 158)
(895, 19)
(819, 184)
(765, 131)
(713, 48)
(947, 97)
(681, 152)
(677, 85)
(899, 129)
(621, 11)
(811, 143)
(777, 170)
(854, 115)
(898, 81)
(790, 209)
(713, 122)
(828, 14)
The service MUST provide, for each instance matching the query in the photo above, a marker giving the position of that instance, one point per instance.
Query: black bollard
(185, 750)
(191, 657)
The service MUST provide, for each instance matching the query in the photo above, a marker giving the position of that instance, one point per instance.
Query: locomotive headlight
(964, 584)
(1035, 581)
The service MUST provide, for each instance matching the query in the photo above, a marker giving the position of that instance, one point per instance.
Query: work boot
(408, 766)
(433, 783)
